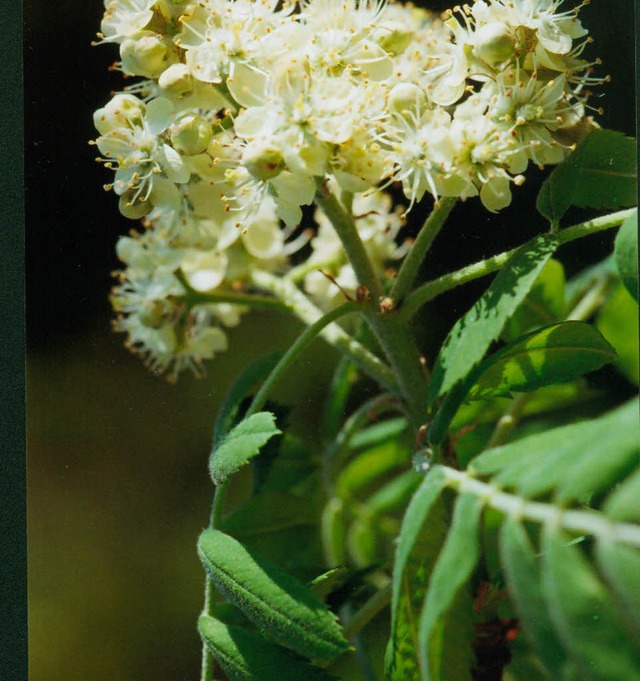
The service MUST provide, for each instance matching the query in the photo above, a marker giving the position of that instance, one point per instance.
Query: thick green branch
(432, 289)
(344, 224)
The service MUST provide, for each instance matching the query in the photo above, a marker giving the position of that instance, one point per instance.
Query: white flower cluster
(244, 105)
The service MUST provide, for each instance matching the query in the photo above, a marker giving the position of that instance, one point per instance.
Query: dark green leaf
(523, 579)
(584, 613)
(556, 354)
(245, 656)
(472, 335)
(241, 444)
(544, 305)
(620, 566)
(272, 512)
(422, 533)
(618, 323)
(600, 173)
(454, 567)
(277, 603)
(626, 254)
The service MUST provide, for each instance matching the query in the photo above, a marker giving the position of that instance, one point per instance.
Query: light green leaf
(584, 613)
(556, 354)
(369, 465)
(544, 305)
(326, 583)
(620, 566)
(618, 323)
(623, 504)
(472, 335)
(454, 567)
(421, 535)
(523, 579)
(569, 458)
(626, 254)
(600, 173)
(241, 444)
(245, 656)
(277, 603)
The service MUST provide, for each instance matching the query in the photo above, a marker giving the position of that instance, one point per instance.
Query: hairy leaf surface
(277, 603)
(246, 656)
(241, 444)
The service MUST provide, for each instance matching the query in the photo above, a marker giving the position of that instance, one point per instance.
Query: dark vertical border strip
(13, 513)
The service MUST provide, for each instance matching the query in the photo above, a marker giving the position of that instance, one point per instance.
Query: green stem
(582, 522)
(392, 334)
(344, 224)
(423, 294)
(193, 297)
(420, 248)
(306, 311)
(509, 420)
(368, 611)
(307, 336)
(207, 667)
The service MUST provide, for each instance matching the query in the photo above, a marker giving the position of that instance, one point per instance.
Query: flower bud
(116, 114)
(191, 134)
(405, 97)
(494, 43)
(133, 208)
(262, 161)
(176, 81)
(145, 54)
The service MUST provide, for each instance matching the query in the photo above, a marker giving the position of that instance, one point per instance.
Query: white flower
(131, 142)
(124, 18)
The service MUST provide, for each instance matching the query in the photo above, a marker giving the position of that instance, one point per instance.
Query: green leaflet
(544, 305)
(584, 613)
(245, 656)
(618, 323)
(241, 444)
(620, 566)
(454, 567)
(472, 335)
(523, 579)
(555, 354)
(626, 254)
(328, 582)
(274, 601)
(623, 504)
(569, 459)
(600, 173)
(422, 528)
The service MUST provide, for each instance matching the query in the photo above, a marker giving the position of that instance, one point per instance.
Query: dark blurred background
(117, 460)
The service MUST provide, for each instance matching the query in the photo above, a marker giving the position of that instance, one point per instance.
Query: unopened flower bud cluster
(242, 106)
